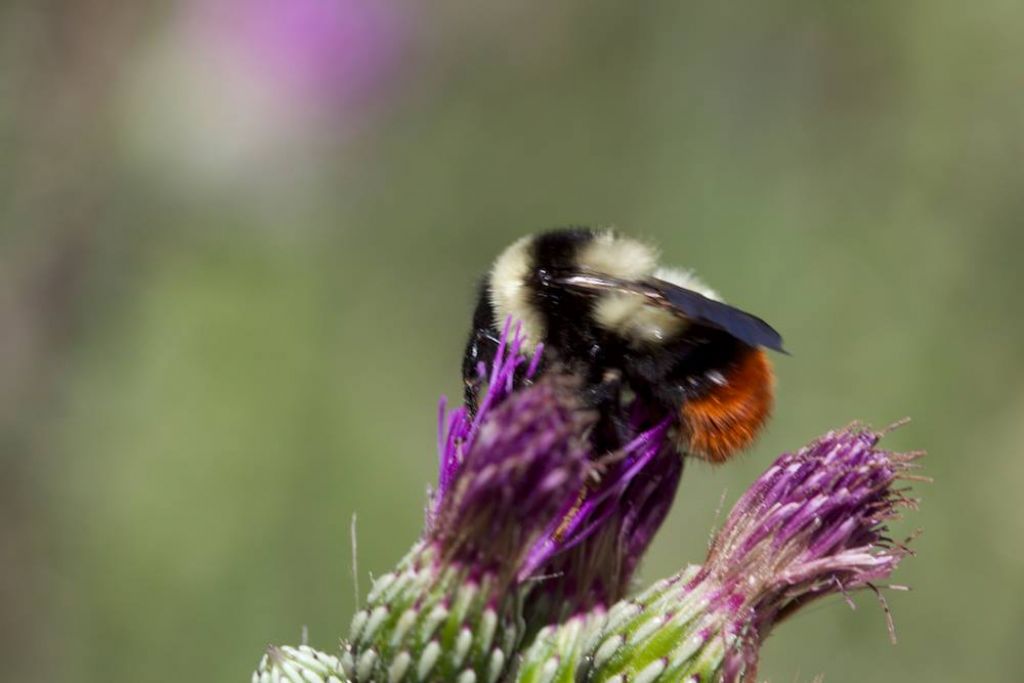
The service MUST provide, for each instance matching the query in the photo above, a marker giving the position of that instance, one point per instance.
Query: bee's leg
(471, 395)
(481, 349)
(605, 395)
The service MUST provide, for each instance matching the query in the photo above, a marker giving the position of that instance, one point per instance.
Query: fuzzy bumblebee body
(605, 310)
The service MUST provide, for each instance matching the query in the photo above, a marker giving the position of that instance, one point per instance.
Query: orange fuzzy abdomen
(729, 416)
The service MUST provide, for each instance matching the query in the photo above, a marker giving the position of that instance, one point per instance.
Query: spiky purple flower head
(812, 525)
(596, 528)
(528, 524)
(510, 478)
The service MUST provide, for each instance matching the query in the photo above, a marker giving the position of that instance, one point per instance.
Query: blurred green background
(239, 245)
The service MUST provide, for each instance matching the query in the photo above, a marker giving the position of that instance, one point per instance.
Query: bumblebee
(607, 313)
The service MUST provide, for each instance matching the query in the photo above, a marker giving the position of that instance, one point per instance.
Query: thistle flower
(533, 534)
(525, 514)
(451, 610)
(813, 524)
(590, 548)
(588, 553)
(507, 476)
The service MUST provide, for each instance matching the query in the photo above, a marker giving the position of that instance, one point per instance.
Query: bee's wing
(686, 303)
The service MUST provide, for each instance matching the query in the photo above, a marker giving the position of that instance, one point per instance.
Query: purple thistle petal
(591, 557)
(461, 430)
(442, 432)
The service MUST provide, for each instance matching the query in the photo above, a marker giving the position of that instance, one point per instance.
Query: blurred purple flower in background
(335, 51)
(256, 95)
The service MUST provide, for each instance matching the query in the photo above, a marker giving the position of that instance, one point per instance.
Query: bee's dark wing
(688, 304)
(744, 326)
